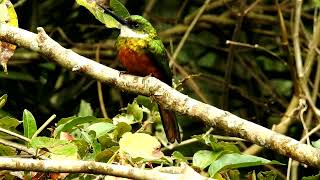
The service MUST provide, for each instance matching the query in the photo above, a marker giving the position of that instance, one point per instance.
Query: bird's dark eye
(135, 25)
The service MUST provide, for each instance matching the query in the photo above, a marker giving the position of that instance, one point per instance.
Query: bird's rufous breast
(139, 63)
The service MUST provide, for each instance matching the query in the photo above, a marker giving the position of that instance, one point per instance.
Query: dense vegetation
(240, 56)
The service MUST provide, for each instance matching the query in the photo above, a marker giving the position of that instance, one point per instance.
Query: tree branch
(161, 93)
(92, 167)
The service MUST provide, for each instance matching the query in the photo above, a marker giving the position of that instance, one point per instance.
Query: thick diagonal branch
(161, 93)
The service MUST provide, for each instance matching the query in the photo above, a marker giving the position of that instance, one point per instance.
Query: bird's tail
(170, 125)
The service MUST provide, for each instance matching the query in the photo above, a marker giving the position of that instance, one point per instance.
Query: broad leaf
(315, 177)
(69, 124)
(316, 143)
(179, 156)
(235, 160)
(98, 13)
(100, 128)
(3, 100)
(85, 109)
(119, 9)
(121, 128)
(7, 16)
(29, 124)
(140, 145)
(58, 149)
(136, 111)
(125, 118)
(204, 158)
(9, 123)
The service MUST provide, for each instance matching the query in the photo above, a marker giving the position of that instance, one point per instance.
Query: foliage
(261, 86)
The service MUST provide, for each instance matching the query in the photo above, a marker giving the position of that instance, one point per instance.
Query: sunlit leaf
(85, 109)
(29, 124)
(58, 149)
(315, 177)
(121, 128)
(235, 160)
(136, 111)
(69, 124)
(7, 16)
(9, 123)
(100, 128)
(126, 118)
(179, 156)
(3, 100)
(7, 151)
(140, 145)
(98, 13)
(204, 158)
(119, 9)
(316, 143)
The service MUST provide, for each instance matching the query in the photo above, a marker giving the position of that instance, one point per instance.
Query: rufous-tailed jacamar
(142, 53)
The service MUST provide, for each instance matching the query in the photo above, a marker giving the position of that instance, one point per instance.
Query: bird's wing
(158, 53)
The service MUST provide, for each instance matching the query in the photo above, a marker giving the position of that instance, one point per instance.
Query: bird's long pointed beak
(112, 14)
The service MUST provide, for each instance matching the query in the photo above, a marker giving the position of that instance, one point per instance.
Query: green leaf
(45, 142)
(3, 100)
(121, 128)
(316, 144)
(72, 123)
(96, 147)
(179, 156)
(98, 13)
(58, 149)
(119, 9)
(140, 145)
(316, 3)
(315, 177)
(100, 128)
(284, 87)
(7, 151)
(147, 103)
(124, 118)
(136, 111)
(208, 60)
(8, 14)
(29, 124)
(85, 109)
(106, 154)
(204, 158)
(267, 175)
(234, 160)
(9, 123)
(14, 75)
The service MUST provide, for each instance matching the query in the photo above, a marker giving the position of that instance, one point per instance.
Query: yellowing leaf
(98, 13)
(7, 16)
(140, 145)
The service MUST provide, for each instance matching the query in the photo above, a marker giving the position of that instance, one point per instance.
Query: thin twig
(296, 39)
(19, 147)
(14, 134)
(44, 125)
(187, 33)
(99, 89)
(230, 59)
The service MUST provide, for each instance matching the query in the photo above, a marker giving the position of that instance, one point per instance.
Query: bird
(142, 53)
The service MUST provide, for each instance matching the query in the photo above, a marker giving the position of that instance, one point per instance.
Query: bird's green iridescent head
(137, 27)
(133, 26)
